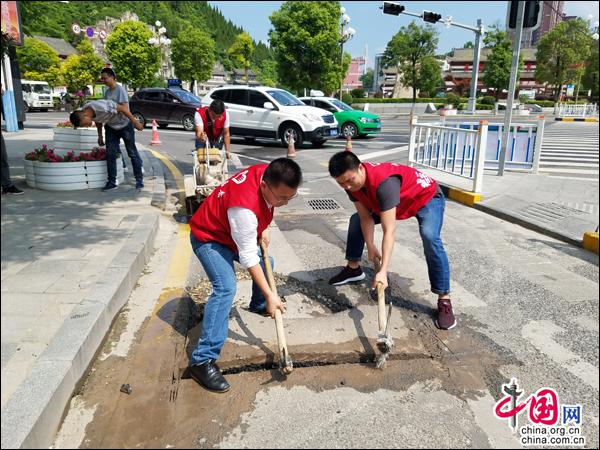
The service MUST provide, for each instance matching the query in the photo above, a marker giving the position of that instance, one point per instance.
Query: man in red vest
(212, 123)
(383, 193)
(227, 228)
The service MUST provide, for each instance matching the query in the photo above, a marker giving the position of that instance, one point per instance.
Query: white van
(36, 95)
(266, 112)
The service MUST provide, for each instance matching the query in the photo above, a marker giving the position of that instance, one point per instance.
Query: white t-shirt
(199, 123)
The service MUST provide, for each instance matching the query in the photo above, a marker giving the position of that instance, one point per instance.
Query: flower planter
(29, 173)
(80, 139)
(68, 176)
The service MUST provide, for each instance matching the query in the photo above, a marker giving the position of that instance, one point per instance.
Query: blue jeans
(113, 137)
(431, 219)
(217, 261)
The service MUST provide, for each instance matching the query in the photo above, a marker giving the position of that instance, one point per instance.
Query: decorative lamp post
(162, 42)
(346, 34)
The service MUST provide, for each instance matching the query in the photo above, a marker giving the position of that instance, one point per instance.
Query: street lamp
(346, 34)
(161, 41)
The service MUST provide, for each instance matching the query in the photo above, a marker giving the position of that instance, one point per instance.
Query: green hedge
(479, 106)
(435, 100)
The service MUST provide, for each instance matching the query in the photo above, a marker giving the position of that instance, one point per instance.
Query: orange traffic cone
(348, 143)
(291, 151)
(155, 140)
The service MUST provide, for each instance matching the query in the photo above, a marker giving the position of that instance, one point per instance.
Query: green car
(352, 122)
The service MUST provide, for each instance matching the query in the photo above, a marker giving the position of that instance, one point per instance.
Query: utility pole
(427, 16)
(511, 87)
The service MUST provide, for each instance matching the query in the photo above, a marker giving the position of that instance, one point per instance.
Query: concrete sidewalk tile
(23, 283)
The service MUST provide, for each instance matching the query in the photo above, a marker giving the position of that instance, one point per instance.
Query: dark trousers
(113, 138)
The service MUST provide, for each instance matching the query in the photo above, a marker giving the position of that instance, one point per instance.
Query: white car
(265, 112)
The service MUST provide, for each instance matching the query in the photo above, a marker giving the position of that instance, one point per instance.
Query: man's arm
(99, 127)
(388, 224)
(124, 109)
(227, 140)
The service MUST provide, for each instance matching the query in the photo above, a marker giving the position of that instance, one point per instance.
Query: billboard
(11, 22)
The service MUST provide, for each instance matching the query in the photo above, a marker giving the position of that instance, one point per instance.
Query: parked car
(266, 112)
(352, 122)
(166, 106)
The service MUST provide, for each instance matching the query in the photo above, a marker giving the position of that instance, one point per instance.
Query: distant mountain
(54, 19)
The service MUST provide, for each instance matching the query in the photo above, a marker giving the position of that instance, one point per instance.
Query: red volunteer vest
(416, 190)
(215, 130)
(210, 222)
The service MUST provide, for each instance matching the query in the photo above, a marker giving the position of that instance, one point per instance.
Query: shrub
(452, 99)
(346, 98)
(357, 93)
(488, 100)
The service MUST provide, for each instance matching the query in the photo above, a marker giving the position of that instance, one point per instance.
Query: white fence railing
(466, 149)
(580, 111)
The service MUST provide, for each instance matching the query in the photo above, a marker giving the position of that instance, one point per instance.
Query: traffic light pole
(479, 30)
(514, 71)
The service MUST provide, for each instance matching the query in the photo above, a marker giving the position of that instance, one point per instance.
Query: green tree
(430, 76)
(305, 39)
(561, 51)
(499, 61)
(193, 55)
(407, 51)
(367, 79)
(241, 52)
(81, 69)
(590, 78)
(134, 59)
(36, 58)
(468, 44)
(266, 72)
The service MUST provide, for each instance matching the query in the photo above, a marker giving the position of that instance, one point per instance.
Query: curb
(575, 119)
(472, 199)
(159, 193)
(34, 412)
(590, 242)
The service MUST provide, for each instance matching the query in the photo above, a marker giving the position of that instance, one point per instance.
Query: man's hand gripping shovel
(385, 342)
(285, 361)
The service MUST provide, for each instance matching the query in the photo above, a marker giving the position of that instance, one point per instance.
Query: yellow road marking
(176, 174)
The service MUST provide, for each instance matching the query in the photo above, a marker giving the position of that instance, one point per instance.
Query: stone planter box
(450, 112)
(81, 139)
(69, 176)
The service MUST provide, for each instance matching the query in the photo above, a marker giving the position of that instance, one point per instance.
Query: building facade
(355, 71)
(459, 72)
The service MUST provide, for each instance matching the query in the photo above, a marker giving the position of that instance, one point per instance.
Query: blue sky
(374, 29)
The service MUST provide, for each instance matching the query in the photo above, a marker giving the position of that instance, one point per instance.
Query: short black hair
(109, 72)
(76, 116)
(342, 162)
(217, 106)
(283, 171)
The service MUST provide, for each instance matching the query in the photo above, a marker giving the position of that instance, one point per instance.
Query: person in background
(118, 122)
(7, 185)
(118, 94)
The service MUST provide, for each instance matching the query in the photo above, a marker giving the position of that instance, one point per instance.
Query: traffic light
(531, 17)
(431, 17)
(394, 9)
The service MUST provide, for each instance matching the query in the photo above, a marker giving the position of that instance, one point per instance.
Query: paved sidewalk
(561, 208)
(69, 262)
(71, 259)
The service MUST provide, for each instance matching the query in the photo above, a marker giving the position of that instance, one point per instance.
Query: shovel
(384, 340)
(285, 362)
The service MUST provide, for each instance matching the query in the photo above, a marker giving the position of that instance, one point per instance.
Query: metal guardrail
(579, 111)
(466, 149)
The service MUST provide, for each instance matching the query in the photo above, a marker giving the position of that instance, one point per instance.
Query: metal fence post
(537, 150)
(481, 147)
(412, 143)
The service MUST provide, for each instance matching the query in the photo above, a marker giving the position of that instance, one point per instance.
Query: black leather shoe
(209, 376)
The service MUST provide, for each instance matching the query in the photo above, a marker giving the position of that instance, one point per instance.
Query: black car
(166, 106)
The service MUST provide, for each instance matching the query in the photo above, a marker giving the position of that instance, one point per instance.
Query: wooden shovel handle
(278, 320)
(380, 300)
